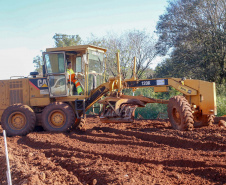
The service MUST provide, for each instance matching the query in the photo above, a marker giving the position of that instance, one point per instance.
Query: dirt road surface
(145, 152)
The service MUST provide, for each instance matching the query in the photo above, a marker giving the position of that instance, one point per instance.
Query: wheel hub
(176, 116)
(57, 119)
(17, 120)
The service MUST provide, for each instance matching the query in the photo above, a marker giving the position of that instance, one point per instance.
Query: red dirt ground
(145, 152)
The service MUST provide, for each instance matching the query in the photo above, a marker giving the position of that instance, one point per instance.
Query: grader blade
(124, 115)
(118, 110)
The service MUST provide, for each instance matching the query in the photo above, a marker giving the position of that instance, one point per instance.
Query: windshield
(56, 73)
(96, 61)
(96, 69)
(55, 63)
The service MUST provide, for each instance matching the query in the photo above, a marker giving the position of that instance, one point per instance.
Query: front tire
(203, 120)
(18, 119)
(180, 113)
(58, 117)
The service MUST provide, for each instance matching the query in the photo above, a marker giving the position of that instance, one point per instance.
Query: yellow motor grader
(51, 100)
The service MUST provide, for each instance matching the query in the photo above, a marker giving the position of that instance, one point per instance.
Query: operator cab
(87, 63)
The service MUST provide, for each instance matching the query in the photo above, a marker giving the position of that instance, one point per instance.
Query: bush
(221, 100)
(221, 105)
(152, 111)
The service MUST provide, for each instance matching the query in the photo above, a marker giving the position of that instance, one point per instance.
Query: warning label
(44, 91)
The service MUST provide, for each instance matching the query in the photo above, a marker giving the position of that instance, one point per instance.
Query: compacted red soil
(144, 152)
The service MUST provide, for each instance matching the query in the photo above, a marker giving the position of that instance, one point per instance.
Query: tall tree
(193, 31)
(38, 63)
(62, 40)
(128, 44)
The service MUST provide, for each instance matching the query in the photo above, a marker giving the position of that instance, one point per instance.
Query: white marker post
(8, 174)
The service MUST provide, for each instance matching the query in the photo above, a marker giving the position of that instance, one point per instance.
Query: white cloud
(17, 62)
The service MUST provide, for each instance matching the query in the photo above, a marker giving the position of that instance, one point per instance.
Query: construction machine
(196, 106)
(51, 100)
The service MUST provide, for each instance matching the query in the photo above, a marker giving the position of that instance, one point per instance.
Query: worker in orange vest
(72, 78)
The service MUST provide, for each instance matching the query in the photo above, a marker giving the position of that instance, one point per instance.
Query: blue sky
(27, 26)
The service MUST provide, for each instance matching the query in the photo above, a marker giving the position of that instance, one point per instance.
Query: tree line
(193, 31)
(191, 36)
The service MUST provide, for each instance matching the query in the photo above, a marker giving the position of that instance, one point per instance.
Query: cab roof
(76, 48)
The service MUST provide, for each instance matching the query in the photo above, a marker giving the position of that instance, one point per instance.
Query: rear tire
(58, 117)
(18, 119)
(79, 123)
(180, 113)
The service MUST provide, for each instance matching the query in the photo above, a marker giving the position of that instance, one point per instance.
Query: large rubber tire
(58, 117)
(203, 120)
(18, 119)
(79, 123)
(180, 113)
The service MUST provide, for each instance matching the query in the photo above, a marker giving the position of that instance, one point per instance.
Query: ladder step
(78, 103)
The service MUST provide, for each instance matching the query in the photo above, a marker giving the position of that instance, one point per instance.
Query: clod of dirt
(42, 176)
(24, 182)
(94, 182)
(34, 179)
(29, 155)
(222, 123)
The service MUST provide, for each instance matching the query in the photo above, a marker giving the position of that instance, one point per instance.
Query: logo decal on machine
(39, 83)
(42, 83)
(185, 89)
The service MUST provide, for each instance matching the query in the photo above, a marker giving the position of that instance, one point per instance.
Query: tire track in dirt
(171, 141)
(213, 175)
(92, 132)
(40, 145)
(122, 154)
(99, 137)
(212, 133)
(43, 145)
(223, 155)
(3, 169)
(72, 163)
(30, 166)
(128, 143)
(82, 173)
(95, 139)
(59, 151)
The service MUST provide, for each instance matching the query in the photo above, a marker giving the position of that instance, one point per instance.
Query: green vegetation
(221, 100)
(62, 40)
(221, 105)
(193, 33)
